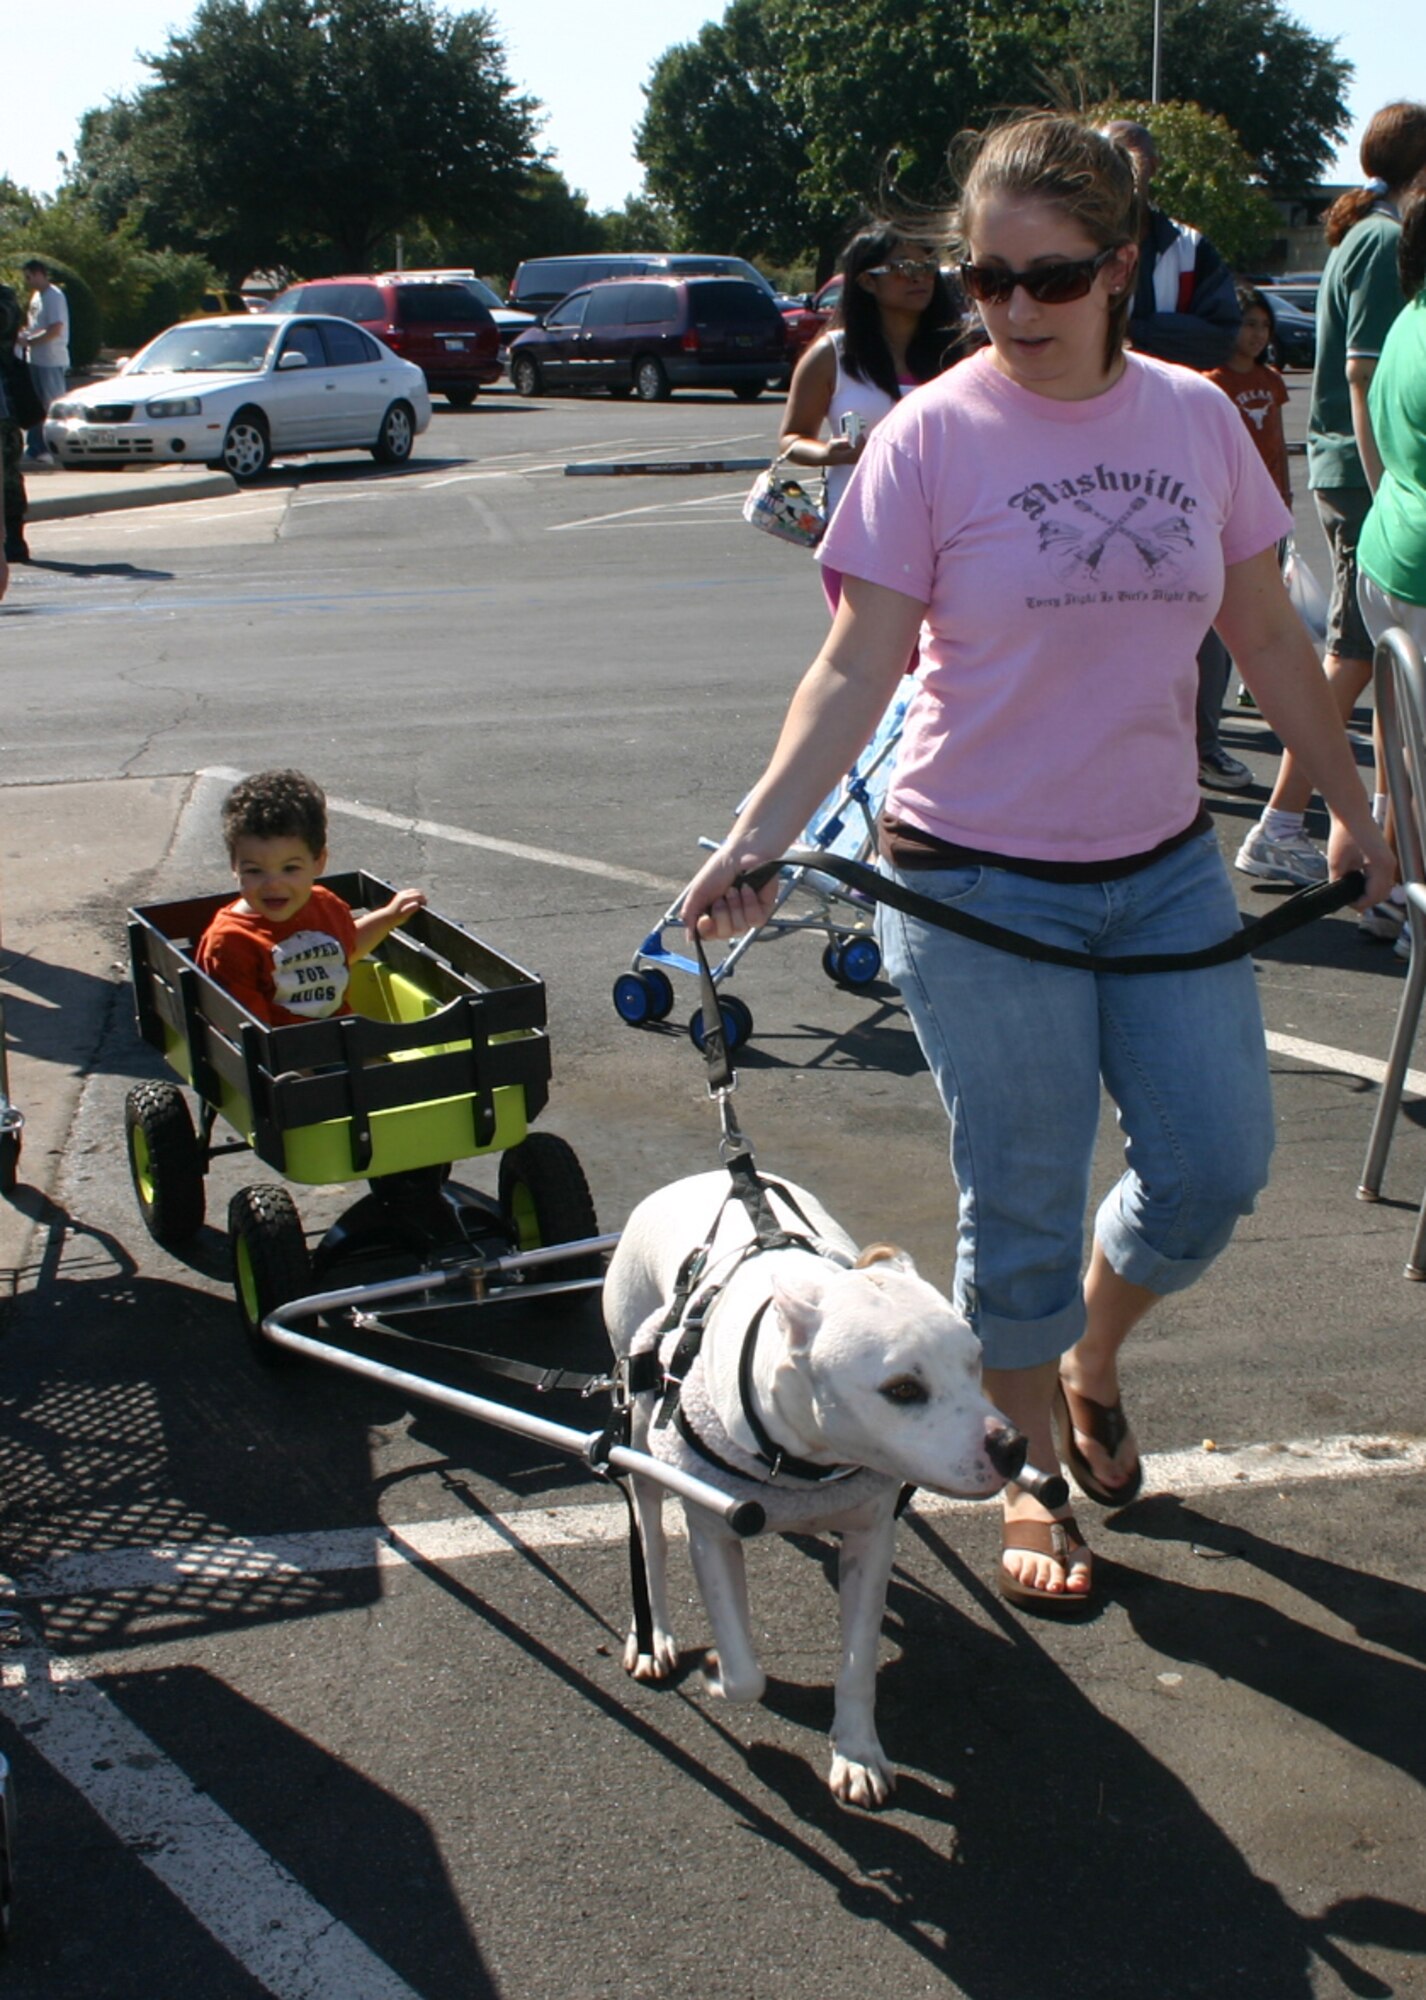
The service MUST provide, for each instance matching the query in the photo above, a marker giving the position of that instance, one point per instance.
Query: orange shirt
(294, 971)
(1260, 394)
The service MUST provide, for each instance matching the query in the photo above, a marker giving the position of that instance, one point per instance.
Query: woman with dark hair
(1059, 519)
(893, 329)
(1359, 297)
(1391, 556)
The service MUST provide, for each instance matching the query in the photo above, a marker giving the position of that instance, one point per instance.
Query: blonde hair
(1046, 156)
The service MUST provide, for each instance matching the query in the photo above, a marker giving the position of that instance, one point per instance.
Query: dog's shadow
(1034, 1846)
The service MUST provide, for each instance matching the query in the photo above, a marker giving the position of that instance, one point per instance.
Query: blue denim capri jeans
(1019, 1049)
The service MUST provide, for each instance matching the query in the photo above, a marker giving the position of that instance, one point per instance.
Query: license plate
(456, 346)
(101, 440)
(744, 339)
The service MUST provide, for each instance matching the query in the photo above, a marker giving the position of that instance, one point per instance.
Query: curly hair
(276, 805)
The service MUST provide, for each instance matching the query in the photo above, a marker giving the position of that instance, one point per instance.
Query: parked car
(239, 392)
(541, 282)
(212, 305)
(806, 318)
(649, 336)
(438, 323)
(508, 322)
(1294, 342)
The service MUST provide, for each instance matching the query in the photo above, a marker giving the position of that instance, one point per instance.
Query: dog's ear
(885, 1253)
(799, 1308)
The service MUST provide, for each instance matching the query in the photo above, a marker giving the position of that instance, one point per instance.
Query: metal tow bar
(744, 1517)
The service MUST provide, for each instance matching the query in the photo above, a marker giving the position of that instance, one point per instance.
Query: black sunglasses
(1049, 285)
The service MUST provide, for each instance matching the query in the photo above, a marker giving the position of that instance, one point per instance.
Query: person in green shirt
(1357, 301)
(1391, 555)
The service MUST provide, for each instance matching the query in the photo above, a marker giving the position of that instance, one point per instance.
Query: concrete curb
(56, 496)
(620, 468)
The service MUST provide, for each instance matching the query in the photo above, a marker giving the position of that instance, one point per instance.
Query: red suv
(438, 323)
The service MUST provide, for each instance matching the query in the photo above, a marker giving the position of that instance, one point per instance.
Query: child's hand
(403, 903)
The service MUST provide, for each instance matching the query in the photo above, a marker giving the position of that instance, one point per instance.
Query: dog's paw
(750, 1686)
(654, 1666)
(867, 1781)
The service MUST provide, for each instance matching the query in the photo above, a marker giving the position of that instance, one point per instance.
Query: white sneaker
(1382, 920)
(1402, 947)
(1297, 859)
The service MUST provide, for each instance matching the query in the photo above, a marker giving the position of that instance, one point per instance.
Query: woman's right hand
(713, 908)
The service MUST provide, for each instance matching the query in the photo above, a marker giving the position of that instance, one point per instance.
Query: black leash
(1318, 901)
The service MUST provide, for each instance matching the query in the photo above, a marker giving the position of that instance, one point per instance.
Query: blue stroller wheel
(643, 996)
(631, 999)
(737, 1024)
(659, 989)
(860, 961)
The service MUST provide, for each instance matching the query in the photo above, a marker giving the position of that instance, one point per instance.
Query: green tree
(789, 116)
(1277, 85)
(277, 126)
(1204, 176)
(720, 145)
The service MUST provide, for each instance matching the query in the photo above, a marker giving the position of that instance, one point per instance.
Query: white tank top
(851, 395)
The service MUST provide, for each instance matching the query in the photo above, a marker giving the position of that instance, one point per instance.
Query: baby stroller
(807, 900)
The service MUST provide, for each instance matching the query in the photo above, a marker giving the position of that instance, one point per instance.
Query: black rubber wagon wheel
(9, 1162)
(165, 1163)
(271, 1262)
(545, 1199)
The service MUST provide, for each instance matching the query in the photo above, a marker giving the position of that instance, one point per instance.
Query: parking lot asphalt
(319, 1693)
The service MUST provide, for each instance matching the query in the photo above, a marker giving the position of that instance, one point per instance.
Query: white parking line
(255, 1909)
(1320, 1056)
(223, 1563)
(459, 836)
(731, 498)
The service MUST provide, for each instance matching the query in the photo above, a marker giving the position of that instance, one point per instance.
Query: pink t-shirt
(1071, 558)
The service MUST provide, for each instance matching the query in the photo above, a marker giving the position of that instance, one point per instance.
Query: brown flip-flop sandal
(1108, 1426)
(1060, 1540)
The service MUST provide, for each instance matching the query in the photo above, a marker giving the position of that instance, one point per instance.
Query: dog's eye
(905, 1389)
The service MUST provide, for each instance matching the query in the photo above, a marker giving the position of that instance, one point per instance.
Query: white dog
(852, 1376)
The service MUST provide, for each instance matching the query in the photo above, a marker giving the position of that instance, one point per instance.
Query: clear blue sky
(585, 62)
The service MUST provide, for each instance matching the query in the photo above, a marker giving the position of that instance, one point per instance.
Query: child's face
(276, 875)
(1255, 333)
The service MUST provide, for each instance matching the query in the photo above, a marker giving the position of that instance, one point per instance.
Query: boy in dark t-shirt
(284, 948)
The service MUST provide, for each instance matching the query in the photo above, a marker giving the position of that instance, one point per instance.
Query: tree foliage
(721, 143)
(1279, 87)
(276, 126)
(795, 115)
(1204, 177)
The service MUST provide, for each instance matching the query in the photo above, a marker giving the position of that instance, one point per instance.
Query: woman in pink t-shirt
(1067, 519)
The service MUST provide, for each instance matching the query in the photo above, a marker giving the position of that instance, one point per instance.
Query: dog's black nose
(1006, 1449)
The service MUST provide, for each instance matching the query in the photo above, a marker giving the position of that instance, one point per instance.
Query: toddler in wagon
(285, 947)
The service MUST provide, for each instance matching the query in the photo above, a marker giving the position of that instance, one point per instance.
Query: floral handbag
(781, 505)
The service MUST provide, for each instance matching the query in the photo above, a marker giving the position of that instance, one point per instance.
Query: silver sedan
(239, 392)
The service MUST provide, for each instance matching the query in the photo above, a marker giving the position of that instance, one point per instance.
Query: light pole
(1158, 33)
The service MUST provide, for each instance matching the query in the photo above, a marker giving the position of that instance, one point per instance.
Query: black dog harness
(688, 1311)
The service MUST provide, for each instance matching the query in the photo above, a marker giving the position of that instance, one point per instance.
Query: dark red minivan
(648, 336)
(438, 323)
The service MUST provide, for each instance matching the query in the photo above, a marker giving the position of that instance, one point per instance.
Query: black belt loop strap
(715, 1042)
(1318, 901)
